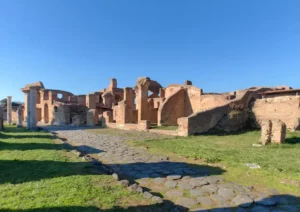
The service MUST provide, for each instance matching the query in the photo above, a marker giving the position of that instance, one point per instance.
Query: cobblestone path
(187, 185)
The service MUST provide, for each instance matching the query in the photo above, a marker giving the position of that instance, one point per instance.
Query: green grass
(39, 174)
(231, 152)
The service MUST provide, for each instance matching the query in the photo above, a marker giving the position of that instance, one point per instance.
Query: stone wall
(192, 100)
(202, 122)
(285, 108)
(61, 116)
(208, 102)
(172, 109)
(224, 117)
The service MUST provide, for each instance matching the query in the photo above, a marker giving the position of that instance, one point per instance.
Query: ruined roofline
(59, 91)
(281, 91)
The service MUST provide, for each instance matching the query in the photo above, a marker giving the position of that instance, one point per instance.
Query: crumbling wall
(220, 117)
(210, 101)
(285, 108)
(172, 109)
(201, 122)
(61, 115)
(192, 100)
(170, 90)
(91, 100)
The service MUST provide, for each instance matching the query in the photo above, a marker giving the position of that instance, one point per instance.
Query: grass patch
(278, 162)
(40, 174)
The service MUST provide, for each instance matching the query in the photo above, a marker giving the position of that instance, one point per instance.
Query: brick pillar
(113, 84)
(128, 97)
(9, 110)
(20, 121)
(142, 98)
(162, 92)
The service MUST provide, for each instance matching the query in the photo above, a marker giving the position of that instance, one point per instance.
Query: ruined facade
(57, 107)
(183, 105)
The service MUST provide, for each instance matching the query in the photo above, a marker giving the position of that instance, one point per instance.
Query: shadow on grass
(223, 133)
(293, 140)
(45, 146)
(284, 203)
(20, 171)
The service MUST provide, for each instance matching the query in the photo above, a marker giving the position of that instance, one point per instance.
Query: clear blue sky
(78, 45)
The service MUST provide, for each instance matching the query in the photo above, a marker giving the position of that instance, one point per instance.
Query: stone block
(278, 131)
(144, 125)
(183, 128)
(266, 130)
(91, 118)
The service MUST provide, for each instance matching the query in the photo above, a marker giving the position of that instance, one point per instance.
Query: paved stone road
(190, 187)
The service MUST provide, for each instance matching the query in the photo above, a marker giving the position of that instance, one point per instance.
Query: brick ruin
(148, 104)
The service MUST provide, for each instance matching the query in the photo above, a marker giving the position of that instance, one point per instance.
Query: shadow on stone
(283, 203)
(142, 170)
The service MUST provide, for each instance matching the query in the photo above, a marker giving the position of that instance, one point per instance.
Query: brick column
(9, 110)
(142, 98)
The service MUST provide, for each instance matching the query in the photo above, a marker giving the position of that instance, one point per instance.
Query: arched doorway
(46, 113)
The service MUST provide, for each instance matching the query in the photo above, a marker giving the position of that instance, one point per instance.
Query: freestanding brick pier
(9, 110)
(30, 98)
(142, 98)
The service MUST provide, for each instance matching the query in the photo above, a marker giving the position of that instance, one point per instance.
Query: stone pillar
(91, 118)
(266, 130)
(278, 131)
(162, 93)
(27, 108)
(142, 98)
(9, 110)
(1, 117)
(32, 110)
(20, 117)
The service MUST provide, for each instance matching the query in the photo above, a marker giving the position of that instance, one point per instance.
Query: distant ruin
(148, 104)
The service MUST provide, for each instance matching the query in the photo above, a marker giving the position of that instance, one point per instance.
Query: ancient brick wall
(192, 100)
(285, 108)
(172, 109)
(203, 121)
(211, 101)
(169, 91)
